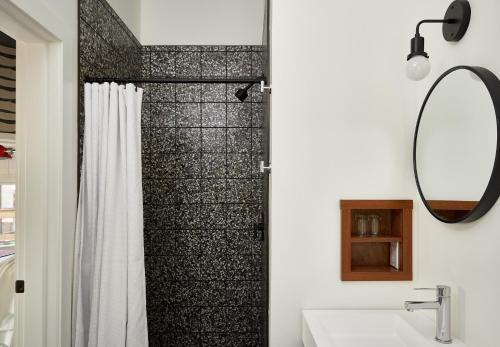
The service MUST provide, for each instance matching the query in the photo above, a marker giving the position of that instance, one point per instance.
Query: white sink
(369, 328)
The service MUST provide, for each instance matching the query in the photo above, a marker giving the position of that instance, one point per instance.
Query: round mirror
(456, 147)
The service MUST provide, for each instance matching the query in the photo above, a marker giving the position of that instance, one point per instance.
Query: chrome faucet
(442, 305)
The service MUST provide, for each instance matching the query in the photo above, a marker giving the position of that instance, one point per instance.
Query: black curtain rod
(176, 80)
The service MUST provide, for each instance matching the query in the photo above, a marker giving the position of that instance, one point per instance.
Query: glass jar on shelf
(373, 222)
(361, 225)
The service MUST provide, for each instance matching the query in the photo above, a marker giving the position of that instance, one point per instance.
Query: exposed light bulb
(418, 67)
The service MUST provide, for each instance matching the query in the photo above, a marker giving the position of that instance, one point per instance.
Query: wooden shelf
(368, 258)
(368, 268)
(376, 204)
(374, 273)
(369, 239)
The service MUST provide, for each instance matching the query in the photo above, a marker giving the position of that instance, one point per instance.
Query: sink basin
(369, 328)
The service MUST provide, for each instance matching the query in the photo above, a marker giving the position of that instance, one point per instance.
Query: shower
(242, 93)
(204, 132)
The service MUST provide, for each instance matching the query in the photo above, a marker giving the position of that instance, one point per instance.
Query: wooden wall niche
(368, 258)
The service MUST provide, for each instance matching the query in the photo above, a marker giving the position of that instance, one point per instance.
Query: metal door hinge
(19, 286)
(263, 168)
(263, 87)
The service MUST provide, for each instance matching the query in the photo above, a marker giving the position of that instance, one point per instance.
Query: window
(7, 196)
(7, 219)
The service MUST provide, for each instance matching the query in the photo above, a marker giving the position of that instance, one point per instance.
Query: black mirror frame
(492, 191)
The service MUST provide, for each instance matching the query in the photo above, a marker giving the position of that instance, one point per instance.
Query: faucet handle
(442, 291)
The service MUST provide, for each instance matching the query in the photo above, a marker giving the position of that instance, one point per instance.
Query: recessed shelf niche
(368, 258)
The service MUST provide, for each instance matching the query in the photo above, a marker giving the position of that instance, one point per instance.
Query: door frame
(267, 43)
(46, 142)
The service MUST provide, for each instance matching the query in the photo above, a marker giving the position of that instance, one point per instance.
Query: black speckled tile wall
(107, 48)
(202, 196)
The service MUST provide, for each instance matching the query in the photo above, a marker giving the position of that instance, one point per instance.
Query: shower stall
(205, 144)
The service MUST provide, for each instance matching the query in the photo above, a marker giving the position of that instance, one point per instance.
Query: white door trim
(46, 152)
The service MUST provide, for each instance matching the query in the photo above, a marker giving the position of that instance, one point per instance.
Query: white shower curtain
(109, 287)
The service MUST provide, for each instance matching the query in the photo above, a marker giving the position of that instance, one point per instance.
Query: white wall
(201, 22)
(342, 121)
(130, 13)
(343, 116)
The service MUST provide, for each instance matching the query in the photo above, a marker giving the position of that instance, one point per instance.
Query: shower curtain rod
(175, 80)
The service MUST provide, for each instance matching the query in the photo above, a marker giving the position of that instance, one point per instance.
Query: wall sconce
(455, 23)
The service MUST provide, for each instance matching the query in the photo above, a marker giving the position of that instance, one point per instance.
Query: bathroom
(246, 203)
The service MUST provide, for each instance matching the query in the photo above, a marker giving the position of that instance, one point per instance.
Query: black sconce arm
(450, 33)
(445, 21)
(455, 21)
(454, 26)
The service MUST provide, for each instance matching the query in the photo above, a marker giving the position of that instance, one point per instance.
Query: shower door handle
(263, 168)
(258, 230)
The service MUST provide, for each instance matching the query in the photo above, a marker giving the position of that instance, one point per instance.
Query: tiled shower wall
(203, 195)
(106, 47)
(202, 190)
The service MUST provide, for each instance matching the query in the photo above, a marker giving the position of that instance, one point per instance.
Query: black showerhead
(242, 93)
